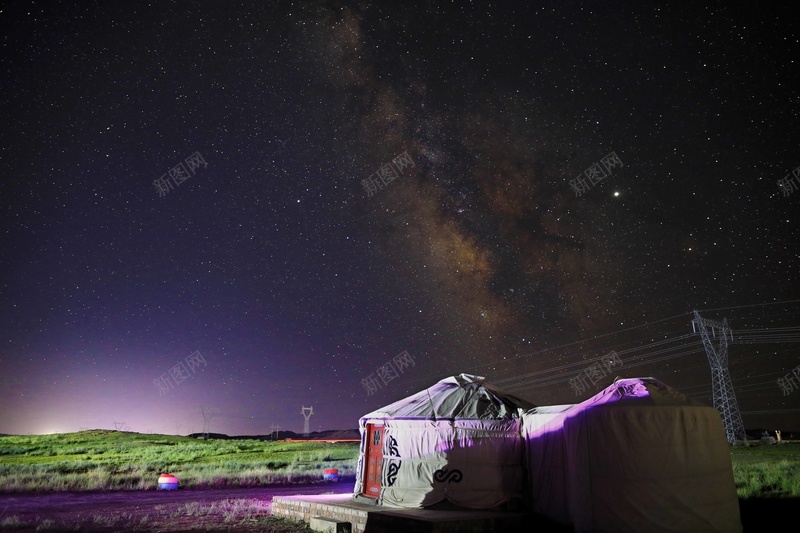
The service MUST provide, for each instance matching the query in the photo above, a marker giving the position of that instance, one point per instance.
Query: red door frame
(373, 459)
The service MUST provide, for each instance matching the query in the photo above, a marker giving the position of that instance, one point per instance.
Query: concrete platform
(367, 518)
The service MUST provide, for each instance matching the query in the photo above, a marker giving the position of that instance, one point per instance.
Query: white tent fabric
(638, 456)
(459, 440)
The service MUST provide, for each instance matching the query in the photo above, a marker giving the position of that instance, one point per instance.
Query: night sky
(245, 208)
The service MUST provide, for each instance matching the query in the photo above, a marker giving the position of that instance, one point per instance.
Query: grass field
(102, 460)
(115, 460)
(767, 471)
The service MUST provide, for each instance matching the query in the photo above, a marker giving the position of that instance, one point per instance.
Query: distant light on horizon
(52, 431)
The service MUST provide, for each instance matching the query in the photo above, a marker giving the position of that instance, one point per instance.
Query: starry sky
(241, 209)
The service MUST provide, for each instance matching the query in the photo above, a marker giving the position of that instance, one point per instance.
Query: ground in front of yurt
(366, 518)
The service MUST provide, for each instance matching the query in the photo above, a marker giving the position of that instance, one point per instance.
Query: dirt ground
(123, 511)
(165, 510)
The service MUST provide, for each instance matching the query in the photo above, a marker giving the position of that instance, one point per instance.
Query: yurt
(459, 441)
(637, 456)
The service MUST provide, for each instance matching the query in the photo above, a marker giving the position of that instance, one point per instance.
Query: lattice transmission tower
(307, 412)
(724, 397)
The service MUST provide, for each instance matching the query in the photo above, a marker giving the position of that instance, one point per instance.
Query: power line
(766, 335)
(645, 360)
(742, 336)
(577, 342)
(771, 411)
(555, 375)
(631, 361)
(539, 352)
(752, 305)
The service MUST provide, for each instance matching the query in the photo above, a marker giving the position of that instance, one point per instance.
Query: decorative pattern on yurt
(458, 440)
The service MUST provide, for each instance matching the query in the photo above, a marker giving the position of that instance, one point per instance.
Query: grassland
(116, 460)
(113, 460)
(767, 471)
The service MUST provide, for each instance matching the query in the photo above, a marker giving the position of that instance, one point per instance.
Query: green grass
(767, 471)
(102, 460)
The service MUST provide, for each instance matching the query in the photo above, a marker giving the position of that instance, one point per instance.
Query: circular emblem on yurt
(443, 475)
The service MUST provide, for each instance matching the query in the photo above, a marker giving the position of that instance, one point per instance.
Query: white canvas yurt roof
(637, 456)
(457, 397)
(458, 440)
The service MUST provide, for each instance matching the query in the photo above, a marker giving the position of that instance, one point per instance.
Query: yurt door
(372, 476)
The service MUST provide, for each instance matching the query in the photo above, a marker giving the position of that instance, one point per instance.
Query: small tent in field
(459, 440)
(637, 456)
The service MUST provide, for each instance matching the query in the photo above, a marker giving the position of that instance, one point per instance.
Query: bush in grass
(13, 522)
(46, 525)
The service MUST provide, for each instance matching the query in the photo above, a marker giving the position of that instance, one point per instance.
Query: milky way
(558, 182)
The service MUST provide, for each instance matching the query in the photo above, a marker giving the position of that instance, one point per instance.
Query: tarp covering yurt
(637, 456)
(459, 440)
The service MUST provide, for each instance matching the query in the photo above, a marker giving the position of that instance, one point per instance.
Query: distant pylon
(274, 431)
(310, 411)
(724, 398)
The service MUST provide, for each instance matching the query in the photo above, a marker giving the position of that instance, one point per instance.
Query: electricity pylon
(274, 431)
(724, 398)
(310, 411)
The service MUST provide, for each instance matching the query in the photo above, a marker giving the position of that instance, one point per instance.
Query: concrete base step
(329, 525)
